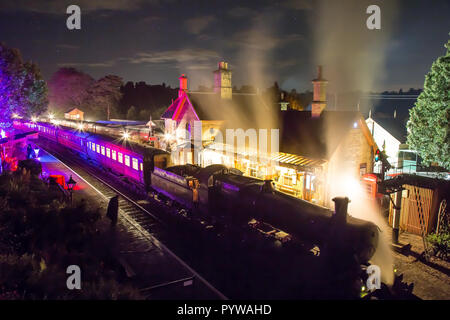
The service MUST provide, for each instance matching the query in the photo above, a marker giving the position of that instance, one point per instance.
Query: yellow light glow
(51, 116)
(34, 119)
(168, 137)
(126, 135)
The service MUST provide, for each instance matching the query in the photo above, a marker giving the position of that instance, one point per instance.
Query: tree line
(70, 88)
(23, 91)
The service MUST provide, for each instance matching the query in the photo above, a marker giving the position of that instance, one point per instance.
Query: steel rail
(145, 234)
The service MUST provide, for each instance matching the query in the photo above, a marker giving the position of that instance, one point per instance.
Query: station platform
(147, 265)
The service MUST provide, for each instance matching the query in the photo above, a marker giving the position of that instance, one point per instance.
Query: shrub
(441, 244)
(40, 237)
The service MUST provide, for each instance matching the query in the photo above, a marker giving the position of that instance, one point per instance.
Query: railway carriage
(122, 157)
(119, 159)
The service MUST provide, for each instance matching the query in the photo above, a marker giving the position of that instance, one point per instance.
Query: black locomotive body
(246, 198)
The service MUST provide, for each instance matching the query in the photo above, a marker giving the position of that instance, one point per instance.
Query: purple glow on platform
(46, 159)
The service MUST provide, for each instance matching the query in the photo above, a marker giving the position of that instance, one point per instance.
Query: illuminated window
(135, 164)
(103, 150)
(308, 182)
(287, 180)
(114, 157)
(127, 160)
(98, 148)
(120, 157)
(108, 152)
(142, 167)
(93, 147)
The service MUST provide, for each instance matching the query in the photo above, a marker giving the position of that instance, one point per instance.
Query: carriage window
(103, 150)
(127, 160)
(108, 152)
(135, 164)
(120, 157)
(93, 147)
(98, 148)
(114, 155)
(142, 167)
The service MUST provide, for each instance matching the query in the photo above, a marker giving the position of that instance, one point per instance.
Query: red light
(377, 155)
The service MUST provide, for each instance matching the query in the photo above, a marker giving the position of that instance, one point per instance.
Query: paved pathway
(431, 282)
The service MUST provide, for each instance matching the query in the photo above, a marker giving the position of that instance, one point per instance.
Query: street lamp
(70, 185)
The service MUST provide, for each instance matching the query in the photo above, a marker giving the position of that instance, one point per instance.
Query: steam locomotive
(220, 191)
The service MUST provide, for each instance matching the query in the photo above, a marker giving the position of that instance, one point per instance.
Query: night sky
(155, 41)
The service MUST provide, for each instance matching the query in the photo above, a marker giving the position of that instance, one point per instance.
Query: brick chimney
(222, 81)
(183, 85)
(320, 94)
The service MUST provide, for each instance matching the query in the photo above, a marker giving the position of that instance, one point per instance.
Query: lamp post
(70, 185)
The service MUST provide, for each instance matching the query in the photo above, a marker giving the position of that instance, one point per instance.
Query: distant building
(74, 114)
(386, 141)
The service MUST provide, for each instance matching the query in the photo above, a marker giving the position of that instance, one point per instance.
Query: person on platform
(112, 212)
(29, 152)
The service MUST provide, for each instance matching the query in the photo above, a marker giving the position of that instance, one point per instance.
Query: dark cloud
(298, 4)
(106, 64)
(197, 25)
(188, 55)
(241, 12)
(67, 46)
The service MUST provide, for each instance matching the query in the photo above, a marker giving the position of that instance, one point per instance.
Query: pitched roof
(209, 106)
(73, 109)
(239, 111)
(316, 138)
(395, 126)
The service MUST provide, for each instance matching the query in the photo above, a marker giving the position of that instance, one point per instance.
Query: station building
(313, 146)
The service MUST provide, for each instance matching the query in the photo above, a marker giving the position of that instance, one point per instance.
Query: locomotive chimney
(183, 85)
(340, 209)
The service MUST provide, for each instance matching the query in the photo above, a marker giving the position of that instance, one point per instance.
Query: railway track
(270, 272)
(143, 220)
